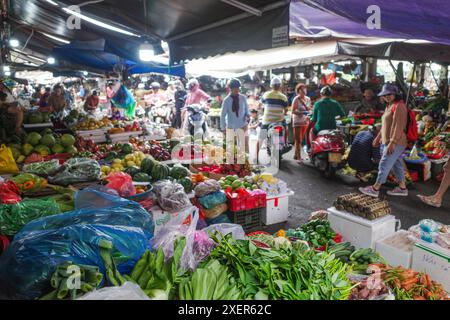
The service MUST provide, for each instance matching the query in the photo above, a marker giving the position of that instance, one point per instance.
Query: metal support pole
(402, 83)
(410, 83)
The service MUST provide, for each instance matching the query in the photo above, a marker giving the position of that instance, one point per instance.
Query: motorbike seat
(324, 132)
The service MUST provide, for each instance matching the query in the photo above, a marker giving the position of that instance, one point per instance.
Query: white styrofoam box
(277, 209)
(38, 125)
(362, 233)
(433, 260)
(124, 137)
(395, 256)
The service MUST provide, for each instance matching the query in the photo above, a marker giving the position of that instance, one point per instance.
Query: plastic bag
(7, 163)
(128, 291)
(28, 263)
(174, 229)
(223, 218)
(95, 207)
(213, 199)
(124, 99)
(77, 170)
(236, 230)
(28, 182)
(9, 193)
(171, 196)
(216, 211)
(14, 216)
(44, 168)
(122, 183)
(204, 188)
(203, 245)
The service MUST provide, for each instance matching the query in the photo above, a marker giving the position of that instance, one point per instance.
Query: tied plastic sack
(7, 163)
(128, 291)
(124, 99)
(216, 211)
(175, 229)
(171, 196)
(9, 193)
(76, 170)
(122, 183)
(14, 216)
(29, 262)
(95, 207)
(213, 199)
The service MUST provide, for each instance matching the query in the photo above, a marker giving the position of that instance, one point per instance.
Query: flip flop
(429, 202)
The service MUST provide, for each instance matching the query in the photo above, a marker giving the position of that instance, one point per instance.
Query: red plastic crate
(241, 203)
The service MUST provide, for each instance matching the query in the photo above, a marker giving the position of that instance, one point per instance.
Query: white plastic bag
(226, 228)
(128, 291)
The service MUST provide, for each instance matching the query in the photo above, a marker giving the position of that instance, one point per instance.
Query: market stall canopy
(195, 28)
(240, 63)
(413, 19)
(404, 51)
(99, 54)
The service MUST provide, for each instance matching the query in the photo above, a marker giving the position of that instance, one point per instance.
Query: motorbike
(197, 120)
(327, 150)
(276, 144)
(160, 112)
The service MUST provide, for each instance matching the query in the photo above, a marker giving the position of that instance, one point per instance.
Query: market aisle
(313, 192)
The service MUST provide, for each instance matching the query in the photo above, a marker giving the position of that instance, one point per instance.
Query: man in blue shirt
(363, 156)
(234, 119)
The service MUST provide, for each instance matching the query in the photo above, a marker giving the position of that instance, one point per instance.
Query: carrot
(428, 294)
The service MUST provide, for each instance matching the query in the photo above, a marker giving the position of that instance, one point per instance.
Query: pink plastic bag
(122, 183)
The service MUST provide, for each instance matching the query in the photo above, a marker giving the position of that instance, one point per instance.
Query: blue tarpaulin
(104, 55)
(412, 19)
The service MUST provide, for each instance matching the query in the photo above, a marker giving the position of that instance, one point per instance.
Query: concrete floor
(314, 192)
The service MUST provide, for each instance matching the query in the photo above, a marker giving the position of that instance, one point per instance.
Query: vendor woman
(369, 103)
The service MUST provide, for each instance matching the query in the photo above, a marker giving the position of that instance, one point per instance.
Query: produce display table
(98, 135)
(38, 126)
(123, 137)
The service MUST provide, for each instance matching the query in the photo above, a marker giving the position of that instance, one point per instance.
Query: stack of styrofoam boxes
(277, 209)
(360, 232)
(124, 137)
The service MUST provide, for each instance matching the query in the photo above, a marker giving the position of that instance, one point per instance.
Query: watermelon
(160, 171)
(147, 165)
(127, 148)
(33, 138)
(67, 140)
(48, 140)
(179, 172)
(187, 184)
(132, 171)
(142, 177)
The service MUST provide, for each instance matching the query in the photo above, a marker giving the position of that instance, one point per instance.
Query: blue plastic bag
(95, 207)
(43, 244)
(213, 199)
(28, 263)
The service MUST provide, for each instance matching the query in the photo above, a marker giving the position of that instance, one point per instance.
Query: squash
(147, 165)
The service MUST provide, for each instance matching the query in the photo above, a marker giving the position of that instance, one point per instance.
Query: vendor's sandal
(300, 161)
(370, 191)
(429, 202)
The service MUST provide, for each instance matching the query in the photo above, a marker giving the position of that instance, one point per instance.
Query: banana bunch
(361, 259)
(342, 251)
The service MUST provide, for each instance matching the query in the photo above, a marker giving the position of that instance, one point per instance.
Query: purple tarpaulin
(406, 19)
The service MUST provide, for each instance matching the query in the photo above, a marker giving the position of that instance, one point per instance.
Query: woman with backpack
(393, 141)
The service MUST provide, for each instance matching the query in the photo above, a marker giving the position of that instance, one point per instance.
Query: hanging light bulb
(51, 60)
(8, 73)
(146, 52)
(251, 74)
(14, 43)
(85, 73)
(6, 68)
